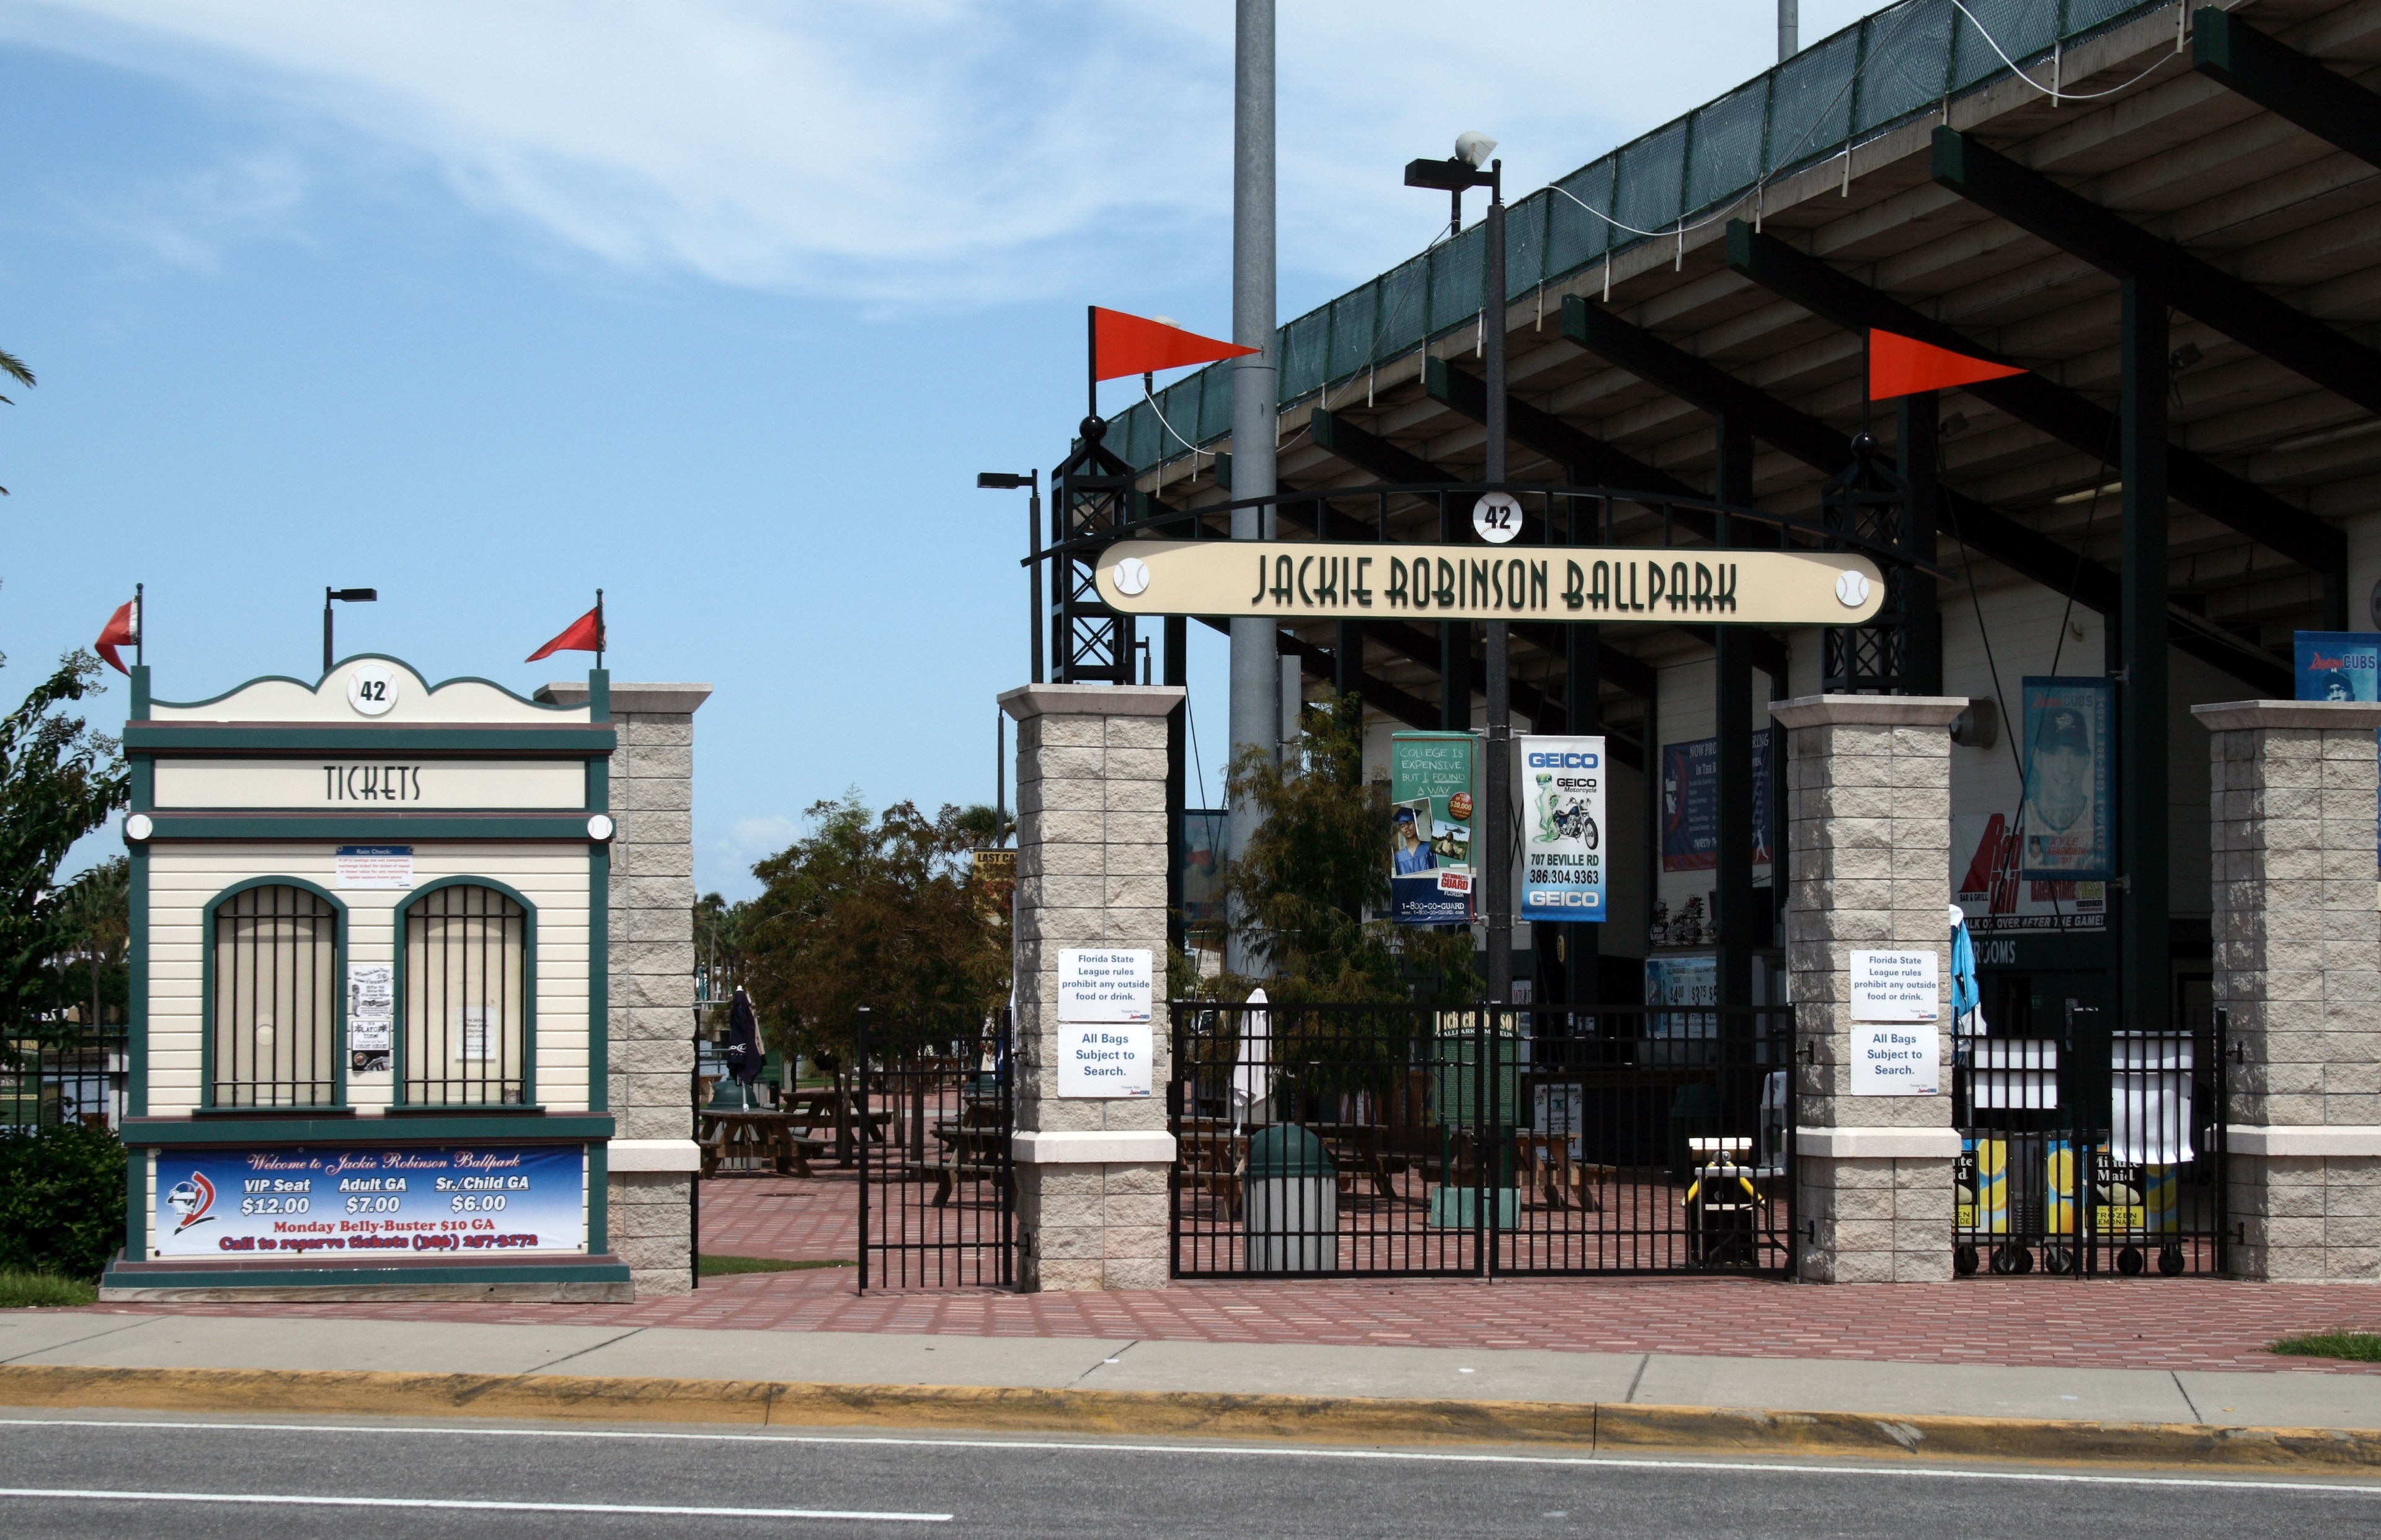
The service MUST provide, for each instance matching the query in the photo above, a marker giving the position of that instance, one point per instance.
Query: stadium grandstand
(2165, 214)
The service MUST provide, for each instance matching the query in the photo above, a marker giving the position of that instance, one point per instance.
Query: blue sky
(720, 306)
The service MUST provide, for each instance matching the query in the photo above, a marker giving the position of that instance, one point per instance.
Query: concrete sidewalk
(241, 1363)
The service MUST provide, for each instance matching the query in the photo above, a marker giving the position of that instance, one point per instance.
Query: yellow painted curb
(1588, 1427)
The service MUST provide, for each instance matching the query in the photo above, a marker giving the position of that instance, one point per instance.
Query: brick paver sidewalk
(2138, 1323)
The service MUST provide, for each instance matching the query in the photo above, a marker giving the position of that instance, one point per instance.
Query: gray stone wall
(1092, 848)
(651, 977)
(2297, 975)
(1869, 857)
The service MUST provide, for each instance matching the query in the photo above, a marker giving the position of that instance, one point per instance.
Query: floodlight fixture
(345, 597)
(1001, 480)
(1009, 481)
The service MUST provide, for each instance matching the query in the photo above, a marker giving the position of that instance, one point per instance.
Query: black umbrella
(743, 1039)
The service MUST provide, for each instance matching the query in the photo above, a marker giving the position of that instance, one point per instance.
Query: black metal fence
(1408, 1140)
(935, 1112)
(63, 1073)
(2089, 1150)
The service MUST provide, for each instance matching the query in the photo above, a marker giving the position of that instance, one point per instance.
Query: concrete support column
(2297, 972)
(1092, 848)
(1869, 861)
(649, 941)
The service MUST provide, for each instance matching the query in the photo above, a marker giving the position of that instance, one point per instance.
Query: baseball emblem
(1496, 516)
(1132, 575)
(1852, 589)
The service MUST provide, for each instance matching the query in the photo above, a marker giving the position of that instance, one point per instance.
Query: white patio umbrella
(1252, 1071)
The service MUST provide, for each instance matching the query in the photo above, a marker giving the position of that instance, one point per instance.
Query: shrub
(61, 1200)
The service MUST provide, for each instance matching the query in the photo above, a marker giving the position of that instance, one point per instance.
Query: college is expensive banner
(1430, 778)
(362, 1202)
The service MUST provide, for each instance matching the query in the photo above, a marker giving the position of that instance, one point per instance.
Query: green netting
(1726, 137)
(1653, 179)
(1455, 280)
(1880, 71)
(1401, 308)
(1574, 236)
(1907, 65)
(1305, 342)
(1525, 246)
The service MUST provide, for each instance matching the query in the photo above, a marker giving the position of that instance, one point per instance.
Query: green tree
(881, 912)
(93, 969)
(14, 367)
(1318, 864)
(58, 781)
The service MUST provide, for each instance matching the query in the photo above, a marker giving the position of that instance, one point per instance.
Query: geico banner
(1558, 786)
(1285, 581)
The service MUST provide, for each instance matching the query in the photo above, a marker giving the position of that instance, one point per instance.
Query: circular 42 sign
(1497, 517)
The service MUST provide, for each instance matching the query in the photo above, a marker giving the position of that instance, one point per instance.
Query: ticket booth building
(369, 930)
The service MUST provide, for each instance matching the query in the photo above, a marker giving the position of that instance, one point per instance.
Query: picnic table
(762, 1134)
(1548, 1167)
(832, 1106)
(972, 1146)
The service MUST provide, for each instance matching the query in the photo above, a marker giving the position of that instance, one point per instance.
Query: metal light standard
(1459, 171)
(1009, 481)
(345, 597)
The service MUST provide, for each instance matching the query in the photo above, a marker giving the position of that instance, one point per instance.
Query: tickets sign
(1294, 580)
(351, 1203)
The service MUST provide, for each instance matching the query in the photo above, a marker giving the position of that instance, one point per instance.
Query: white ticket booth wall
(368, 922)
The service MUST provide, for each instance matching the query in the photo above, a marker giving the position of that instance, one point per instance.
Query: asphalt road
(239, 1479)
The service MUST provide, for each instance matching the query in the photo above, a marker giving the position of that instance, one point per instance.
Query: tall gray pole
(1789, 29)
(1496, 841)
(1255, 677)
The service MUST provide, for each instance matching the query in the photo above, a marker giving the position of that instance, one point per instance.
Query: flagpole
(1091, 361)
(140, 624)
(599, 629)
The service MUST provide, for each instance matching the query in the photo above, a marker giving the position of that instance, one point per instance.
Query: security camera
(1473, 149)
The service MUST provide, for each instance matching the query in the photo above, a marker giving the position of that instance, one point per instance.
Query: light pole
(345, 597)
(1007, 480)
(1255, 669)
(1459, 171)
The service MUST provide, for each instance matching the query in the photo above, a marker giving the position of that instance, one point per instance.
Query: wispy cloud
(189, 220)
(931, 151)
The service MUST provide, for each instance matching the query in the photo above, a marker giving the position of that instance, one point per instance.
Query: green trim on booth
(138, 680)
(599, 1198)
(207, 993)
(136, 1080)
(563, 740)
(315, 688)
(599, 695)
(136, 1203)
(529, 984)
(373, 829)
(362, 1275)
(484, 1128)
(598, 977)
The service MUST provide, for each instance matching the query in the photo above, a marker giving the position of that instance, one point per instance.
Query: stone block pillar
(1868, 866)
(2297, 974)
(650, 981)
(1091, 852)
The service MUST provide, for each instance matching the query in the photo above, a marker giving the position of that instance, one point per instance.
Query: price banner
(351, 1203)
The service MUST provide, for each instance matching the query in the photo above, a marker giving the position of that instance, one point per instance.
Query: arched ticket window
(468, 984)
(273, 997)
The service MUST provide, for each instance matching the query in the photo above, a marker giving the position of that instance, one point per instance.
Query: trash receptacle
(1292, 1210)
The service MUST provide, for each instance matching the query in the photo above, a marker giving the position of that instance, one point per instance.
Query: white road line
(276, 1499)
(2345, 1486)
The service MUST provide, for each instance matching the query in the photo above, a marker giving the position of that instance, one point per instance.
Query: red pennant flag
(583, 635)
(1125, 345)
(123, 630)
(1903, 366)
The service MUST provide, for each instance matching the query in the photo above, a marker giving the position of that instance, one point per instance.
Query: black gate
(1408, 1139)
(2088, 1150)
(938, 1202)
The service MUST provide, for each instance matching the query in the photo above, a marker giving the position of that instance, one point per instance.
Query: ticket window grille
(274, 1007)
(468, 1038)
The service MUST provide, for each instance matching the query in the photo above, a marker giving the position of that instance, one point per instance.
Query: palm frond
(15, 369)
